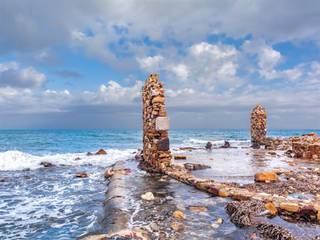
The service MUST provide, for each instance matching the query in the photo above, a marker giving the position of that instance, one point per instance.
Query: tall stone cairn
(156, 149)
(258, 125)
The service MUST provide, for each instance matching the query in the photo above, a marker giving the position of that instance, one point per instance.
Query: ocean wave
(201, 142)
(17, 160)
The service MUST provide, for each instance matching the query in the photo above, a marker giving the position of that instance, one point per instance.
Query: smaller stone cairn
(258, 125)
(156, 150)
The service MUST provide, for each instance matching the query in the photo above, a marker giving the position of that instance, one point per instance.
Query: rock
(158, 99)
(180, 157)
(272, 153)
(208, 146)
(178, 214)
(163, 144)
(162, 123)
(217, 223)
(178, 227)
(289, 206)
(271, 208)
(108, 173)
(81, 175)
(154, 227)
(197, 209)
(187, 148)
(195, 166)
(223, 193)
(2, 179)
(101, 152)
(46, 164)
(89, 154)
(148, 196)
(226, 145)
(77, 159)
(266, 177)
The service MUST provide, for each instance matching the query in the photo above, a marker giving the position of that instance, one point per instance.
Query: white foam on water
(16, 160)
(201, 142)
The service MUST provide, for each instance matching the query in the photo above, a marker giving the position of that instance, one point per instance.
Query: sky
(82, 64)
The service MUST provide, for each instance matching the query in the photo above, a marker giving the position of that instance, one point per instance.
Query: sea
(51, 203)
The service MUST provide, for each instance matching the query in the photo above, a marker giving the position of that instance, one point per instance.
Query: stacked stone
(258, 125)
(307, 146)
(156, 151)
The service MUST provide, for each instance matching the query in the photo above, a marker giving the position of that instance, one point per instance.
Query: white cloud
(11, 75)
(150, 63)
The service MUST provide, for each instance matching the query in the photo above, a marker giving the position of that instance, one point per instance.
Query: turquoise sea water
(50, 203)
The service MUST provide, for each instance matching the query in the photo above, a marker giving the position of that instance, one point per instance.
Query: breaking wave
(17, 160)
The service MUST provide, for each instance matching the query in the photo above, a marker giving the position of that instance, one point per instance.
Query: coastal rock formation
(156, 151)
(258, 123)
(307, 146)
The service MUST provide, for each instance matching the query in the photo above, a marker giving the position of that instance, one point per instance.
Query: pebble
(217, 223)
(198, 209)
(178, 214)
(148, 196)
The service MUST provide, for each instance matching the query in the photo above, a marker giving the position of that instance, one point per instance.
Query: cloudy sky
(81, 64)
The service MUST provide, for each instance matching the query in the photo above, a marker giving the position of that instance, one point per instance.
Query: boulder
(266, 177)
(101, 152)
(226, 145)
(208, 146)
(289, 206)
(46, 164)
(271, 208)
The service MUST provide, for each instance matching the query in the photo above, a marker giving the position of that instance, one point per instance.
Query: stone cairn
(258, 125)
(156, 150)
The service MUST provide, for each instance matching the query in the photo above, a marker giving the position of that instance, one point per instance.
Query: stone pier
(157, 157)
(258, 123)
(156, 147)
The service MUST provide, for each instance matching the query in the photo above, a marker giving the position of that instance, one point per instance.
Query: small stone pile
(306, 146)
(156, 151)
(258, 125)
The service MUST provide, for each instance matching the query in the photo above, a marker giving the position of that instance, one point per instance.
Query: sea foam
(17, 160)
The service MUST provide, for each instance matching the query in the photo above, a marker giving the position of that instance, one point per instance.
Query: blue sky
(81, 64)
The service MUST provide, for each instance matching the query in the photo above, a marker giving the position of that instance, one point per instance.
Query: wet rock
(266, 177)
(273, 231)
(81, 175)
(271, 208)
(195, 166)
(289, 206)
(2, 179)
(101, 152)
(154, 227)
(148, 196)
(89, 154)
(242, 213)
(226, 145)
(217, 223)
(47, 164)
(164, 144)
(272, 153)
(77, 159)
(178, 214)
(108, 173)
(197, 209)
(208, 146)
(178, 227)
(180, 157)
